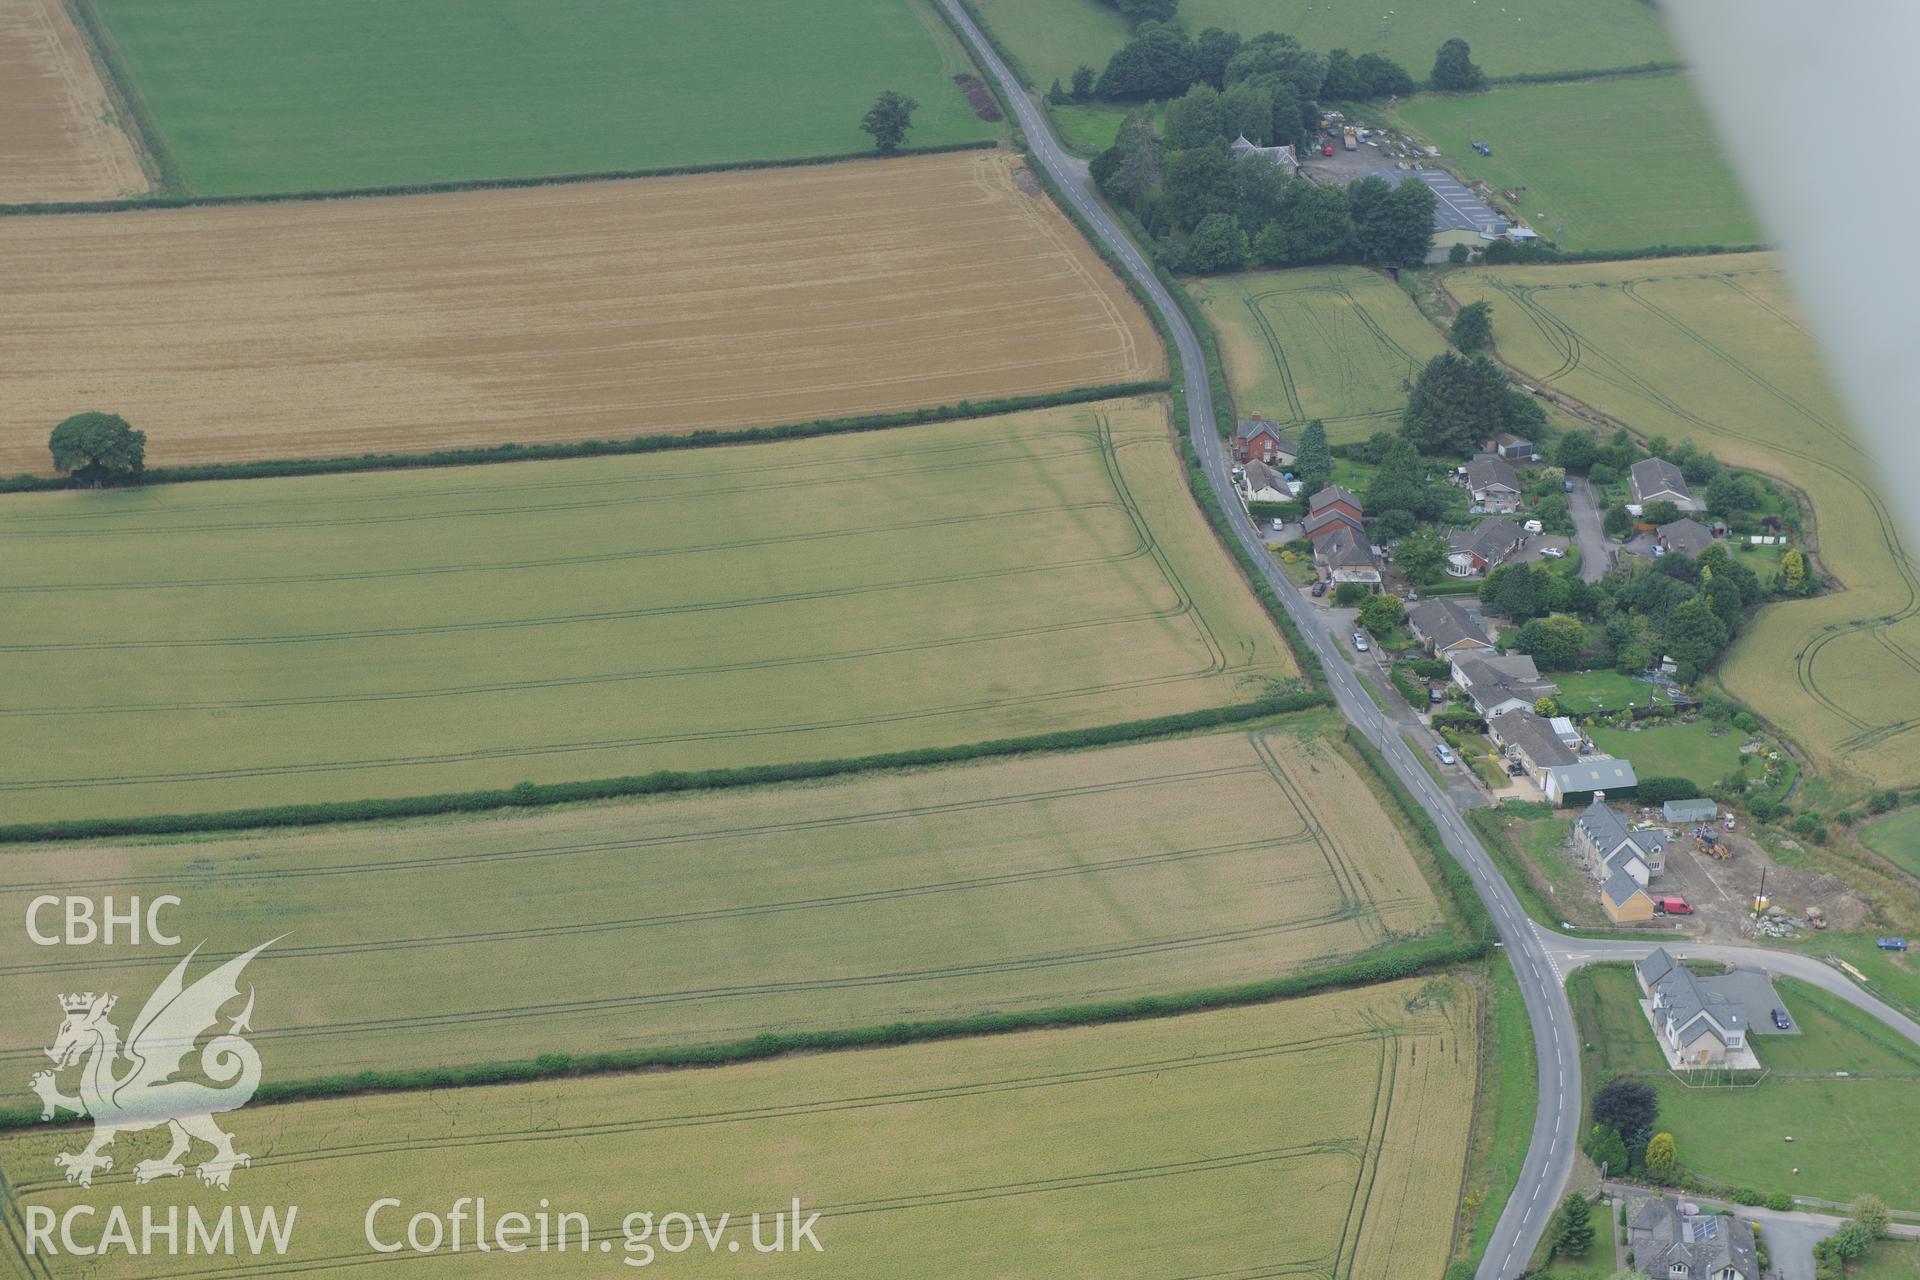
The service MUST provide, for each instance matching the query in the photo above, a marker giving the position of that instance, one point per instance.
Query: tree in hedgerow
(1793, 570)
(1421, 556)
(1605, 1147)
(1453, 68)
(98, 448)
(1556, 642)
(1217, 244)
(1573, 1227)
(1456, 403)
(1472, 326)
(888, 120)
(1057, 95)
(1381, 614)
(1871, 1212)
(1083, 76)
(1662, 1155)
(1617, 523)
(1313, 464)
(1661, 512)
(1626, 1106)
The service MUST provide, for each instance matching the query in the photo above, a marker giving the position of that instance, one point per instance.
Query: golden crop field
(1039, 883)
(1713, 350)
(1342, 344)
(1320, 1136)
(590, 311)
(59, 140)
(221, 645)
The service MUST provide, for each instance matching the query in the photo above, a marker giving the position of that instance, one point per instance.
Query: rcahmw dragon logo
(145, 1094)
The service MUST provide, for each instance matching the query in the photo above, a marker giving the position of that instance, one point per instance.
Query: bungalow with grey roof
(1484, 547)
(1492, 483)
(1496, 683)
(1256, 439)
(1683, 537)
(1447, 628)
(1529, 739)
(1261, 483)
(1343, 555)
(1657, 480)
(1699, 1026)
(1670, 1243)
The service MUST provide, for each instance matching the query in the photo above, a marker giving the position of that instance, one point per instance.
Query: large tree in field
(888, 120)
(1454, 69)
(97, 448)
(1473, 326)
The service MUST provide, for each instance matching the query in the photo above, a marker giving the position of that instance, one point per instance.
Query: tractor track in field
(1333, 341)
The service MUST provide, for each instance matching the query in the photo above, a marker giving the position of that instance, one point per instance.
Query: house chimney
(1256, 415)
(1599, 797)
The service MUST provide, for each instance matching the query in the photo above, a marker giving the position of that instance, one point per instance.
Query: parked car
(1672, 907)
(1360, 642)
(1891, 944)
(1444, 752)
(1780, 1020)
(1436, 694)
(1278, 524)
(1566, 486)
(1319, 589)
(1553, 553)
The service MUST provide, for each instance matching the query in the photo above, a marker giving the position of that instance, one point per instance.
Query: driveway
(1587, 534)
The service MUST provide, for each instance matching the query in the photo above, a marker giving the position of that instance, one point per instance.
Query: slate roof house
(1335, 498)
(1484, 547)
(1446, 628)
(1605, 837)
(1496, 684)
(1256, 438)
(1671, 1244)
(1698, 1024)
(1657, 480)
(1624, 901)
(1528, 738)
(1261, 483)
(1492, 483)
(1683, 537)
(1343, 555)
(1282, 156)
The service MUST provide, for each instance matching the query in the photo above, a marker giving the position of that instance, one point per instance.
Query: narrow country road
(1587, 532)
(1550, 1155)
(1540, 957)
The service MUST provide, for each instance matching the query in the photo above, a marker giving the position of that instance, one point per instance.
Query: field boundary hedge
(188, 201)
(1503, 253)
(124, 94)
(531, 795)
(484, 455)
(1595, 73)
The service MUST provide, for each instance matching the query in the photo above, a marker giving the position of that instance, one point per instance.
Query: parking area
(1753, 992)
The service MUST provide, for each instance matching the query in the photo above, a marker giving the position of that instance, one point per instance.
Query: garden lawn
(1599, 164)
(1604, 691)
(1896, 838)
(1048, 38)
(329, 94)
(1674, 750)
(1890, 1260)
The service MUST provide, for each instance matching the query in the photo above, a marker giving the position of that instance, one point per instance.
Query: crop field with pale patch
(187, 647)
(1712, 350)
(1106, 875)
(1319, 1136)
(1342, 344)
(601, 310)
(61, 140)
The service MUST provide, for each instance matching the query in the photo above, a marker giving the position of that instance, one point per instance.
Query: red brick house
(1255, 440)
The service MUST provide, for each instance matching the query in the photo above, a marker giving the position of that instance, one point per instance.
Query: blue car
(1891, 944)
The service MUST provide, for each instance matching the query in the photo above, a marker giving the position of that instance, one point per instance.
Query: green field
(1736, 1135)
(1049, 38)
(1582, 691)
(1713, 350)
(1896, 838)
(1321, 1136)
(221, 645)
(1598, 164)
(1674, 750)
(1890, 1260)
(1341, 344)
(334, 94)
(1154, 869)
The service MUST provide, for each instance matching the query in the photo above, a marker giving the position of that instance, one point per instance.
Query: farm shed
(1699, 809)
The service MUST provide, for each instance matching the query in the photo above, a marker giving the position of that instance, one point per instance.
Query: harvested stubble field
(1341, 344)
(227, 644)
(1051, 37)
(593, 311)
(1104, 875)
(1714, 351)
(60, 141)
(318, 95)
(1320, 1136)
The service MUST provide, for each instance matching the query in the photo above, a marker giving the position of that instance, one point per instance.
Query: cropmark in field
(228, 644)
(1342, 344)
(594, 311)
(328, 95)
(1713, 351)
(1153, 869)
(1320, 1136)
(61, 140)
